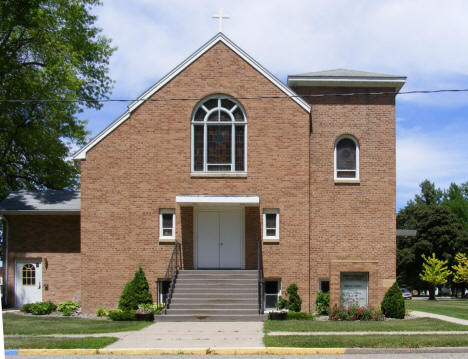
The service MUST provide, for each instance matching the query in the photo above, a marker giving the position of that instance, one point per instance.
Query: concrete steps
(214, 295)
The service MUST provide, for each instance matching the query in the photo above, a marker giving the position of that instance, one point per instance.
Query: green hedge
(121, 315)
(300, 316)
(393, 304)
(42, 308)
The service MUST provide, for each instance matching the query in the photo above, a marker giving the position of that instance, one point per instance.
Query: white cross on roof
(220, 17)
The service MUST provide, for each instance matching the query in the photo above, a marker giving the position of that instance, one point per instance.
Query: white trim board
(194, 199)
(220, 37)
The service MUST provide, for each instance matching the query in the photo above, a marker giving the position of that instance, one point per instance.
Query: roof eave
(366, 82)
(80, 155)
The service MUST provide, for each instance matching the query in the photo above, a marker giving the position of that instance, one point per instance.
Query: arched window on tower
(346, 158)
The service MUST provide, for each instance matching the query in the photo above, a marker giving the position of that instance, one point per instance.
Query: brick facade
(55, 240)
(326, 228)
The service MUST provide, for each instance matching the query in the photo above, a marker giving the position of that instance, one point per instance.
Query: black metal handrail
(175, 263)
(260, 276)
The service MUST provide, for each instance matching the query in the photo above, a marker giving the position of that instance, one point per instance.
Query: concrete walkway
(445, 318)
(194, 335)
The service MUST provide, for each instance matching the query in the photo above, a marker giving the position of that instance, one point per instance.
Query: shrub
(300, 316)
(120, 315)
(294, 301)
(101, 312)
(39, 308)
(135, 292)
(393, 304)
(68, 308)
(154, 308)
(355, 312)
(322, 302)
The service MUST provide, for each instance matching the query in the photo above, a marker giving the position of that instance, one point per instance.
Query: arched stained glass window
(346, 158)
(219, 129)
(28, 274)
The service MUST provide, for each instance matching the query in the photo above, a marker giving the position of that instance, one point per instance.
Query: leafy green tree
(49, 50)
(456, 198)
(460, 270)
(435, 272)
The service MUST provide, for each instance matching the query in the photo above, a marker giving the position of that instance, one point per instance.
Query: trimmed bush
(121, 315)
(135, 292)
(68, 308)
(300, 316)
(294, 301)
(355, 312)
(39, 308)
(322, 303)
(393, 304)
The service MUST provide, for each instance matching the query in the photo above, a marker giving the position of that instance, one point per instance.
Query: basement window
(163, 289)
(272, 291)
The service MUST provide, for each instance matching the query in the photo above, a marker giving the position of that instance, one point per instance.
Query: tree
(135, 292)
(460, 271)
(393, 304)
(435, 272)
(49, 50)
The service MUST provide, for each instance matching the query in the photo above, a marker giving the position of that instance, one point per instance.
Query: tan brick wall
(54, 239)
(143, 164)
(352, 221)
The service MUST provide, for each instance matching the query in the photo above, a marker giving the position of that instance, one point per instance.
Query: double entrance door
(219, 236)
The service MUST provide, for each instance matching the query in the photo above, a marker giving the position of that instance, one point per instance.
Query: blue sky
(423, 40)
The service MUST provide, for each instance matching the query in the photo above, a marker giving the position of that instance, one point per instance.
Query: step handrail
(173, 266)
(260, 276)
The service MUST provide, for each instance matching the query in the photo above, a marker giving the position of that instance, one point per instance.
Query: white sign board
(354, 289)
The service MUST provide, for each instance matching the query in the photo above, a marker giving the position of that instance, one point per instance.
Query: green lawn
(452, 308)
(19, 324)
(420, 324)
(57, 343)
(366, 341)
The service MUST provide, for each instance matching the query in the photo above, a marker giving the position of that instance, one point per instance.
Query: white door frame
(217, 208)
(18, 275)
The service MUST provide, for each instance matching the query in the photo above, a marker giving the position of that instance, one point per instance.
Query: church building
(226, 186)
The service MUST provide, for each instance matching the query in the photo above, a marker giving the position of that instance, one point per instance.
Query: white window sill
(166, 240)
(347, 180)
(271, 240)
(218, 174)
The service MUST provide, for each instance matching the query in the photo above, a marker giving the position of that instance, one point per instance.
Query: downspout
(5, 259)
(309, 205)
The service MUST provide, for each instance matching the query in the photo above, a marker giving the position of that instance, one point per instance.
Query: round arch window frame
(205, 124)
(356, 178)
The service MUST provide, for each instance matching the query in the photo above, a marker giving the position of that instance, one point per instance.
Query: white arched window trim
(344, 179)
(205, 123)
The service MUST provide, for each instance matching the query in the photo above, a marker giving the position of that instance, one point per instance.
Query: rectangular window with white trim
(167, 224)
(272, 292)
(271, 224)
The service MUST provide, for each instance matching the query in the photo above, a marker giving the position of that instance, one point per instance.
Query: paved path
(194, 335)
(445, 318)
(439, 332)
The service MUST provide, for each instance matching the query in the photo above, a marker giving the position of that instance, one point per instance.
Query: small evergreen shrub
(294, 301)
(101, 312)
(42, 308)
(393, 304)
(300, 316)
(68, 308)
(322, 303)
(121, 315)
(355, 312)
(135, 292)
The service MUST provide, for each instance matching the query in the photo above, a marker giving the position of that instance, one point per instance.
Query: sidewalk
(368, 333)
(439, 316)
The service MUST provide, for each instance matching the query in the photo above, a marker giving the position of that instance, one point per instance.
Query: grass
(366, 341)
(452, 308)
(420, 324)
(57, 343)
(19, 324)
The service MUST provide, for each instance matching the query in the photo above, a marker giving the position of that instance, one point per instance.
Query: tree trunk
(432, 293)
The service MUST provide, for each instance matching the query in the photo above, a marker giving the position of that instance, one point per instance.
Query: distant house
(235, 169)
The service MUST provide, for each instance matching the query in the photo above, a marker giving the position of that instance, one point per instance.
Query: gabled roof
(47, 201)
(220, 37)
(347, 78)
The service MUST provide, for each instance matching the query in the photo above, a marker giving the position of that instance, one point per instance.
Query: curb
(165, 351)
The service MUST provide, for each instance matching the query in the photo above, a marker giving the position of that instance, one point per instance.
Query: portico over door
(219, 234)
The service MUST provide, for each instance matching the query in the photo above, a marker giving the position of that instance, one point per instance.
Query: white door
(219, 239)
(28, 281)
